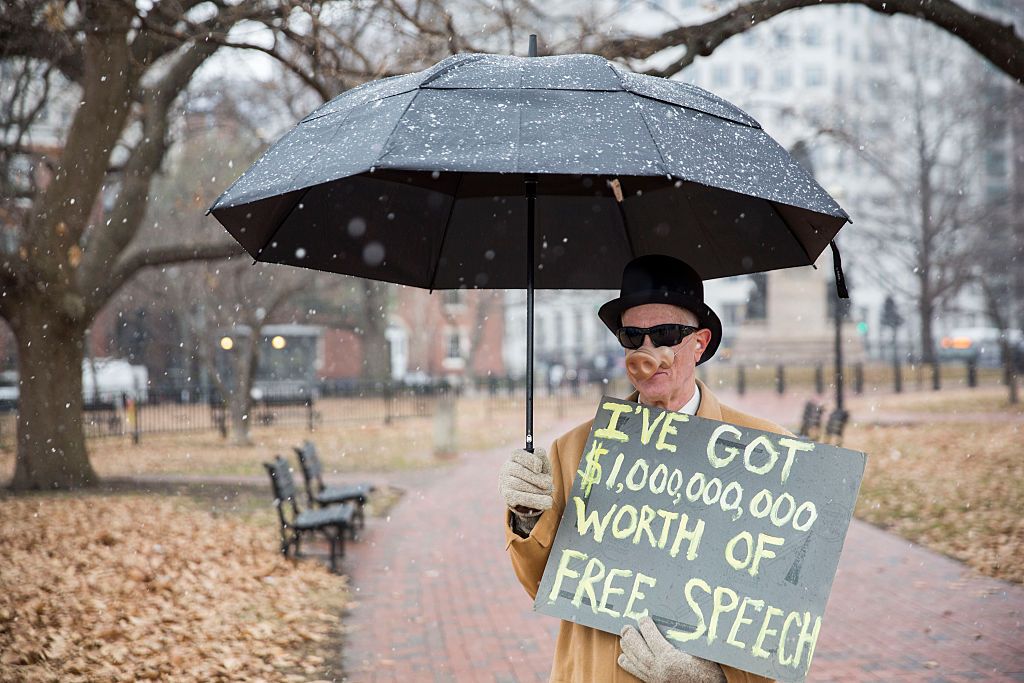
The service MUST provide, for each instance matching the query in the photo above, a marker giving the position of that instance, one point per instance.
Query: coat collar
(709, 405)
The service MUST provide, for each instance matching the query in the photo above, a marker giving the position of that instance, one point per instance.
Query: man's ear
(703, 339)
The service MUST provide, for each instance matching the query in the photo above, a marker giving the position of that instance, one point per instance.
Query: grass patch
(946, 401)
(958, 489)
(344, 446)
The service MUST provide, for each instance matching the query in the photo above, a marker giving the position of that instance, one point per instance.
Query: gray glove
(648, 656)
(525, 484)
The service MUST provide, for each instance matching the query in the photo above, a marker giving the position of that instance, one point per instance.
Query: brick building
(456, 334)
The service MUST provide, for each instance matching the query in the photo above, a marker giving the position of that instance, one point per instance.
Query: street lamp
(278, 342)
(227, 343)
(802, 153)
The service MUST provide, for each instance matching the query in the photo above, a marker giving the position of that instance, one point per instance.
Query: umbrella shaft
(531, 205)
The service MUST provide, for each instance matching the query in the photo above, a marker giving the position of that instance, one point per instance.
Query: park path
(436, 599)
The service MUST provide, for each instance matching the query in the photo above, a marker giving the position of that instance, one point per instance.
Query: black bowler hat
(659, 279)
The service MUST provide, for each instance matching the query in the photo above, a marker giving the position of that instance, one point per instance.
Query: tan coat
(584, 654)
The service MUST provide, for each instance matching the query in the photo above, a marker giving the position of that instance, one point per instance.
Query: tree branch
(29, 30)
(132, 263)
(995, 41)
(107, 241)
(62, 211)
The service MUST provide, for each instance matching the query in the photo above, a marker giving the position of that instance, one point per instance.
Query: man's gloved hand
(525, 482)
(648, 656)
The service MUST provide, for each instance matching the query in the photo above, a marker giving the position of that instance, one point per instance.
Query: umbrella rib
(654, 141)
(469, 59)
(625, 228)
(444, 235)
(751, 124)
(385, 148)
(700, 223)
(283, 221)
(664, 168)
(803, 248)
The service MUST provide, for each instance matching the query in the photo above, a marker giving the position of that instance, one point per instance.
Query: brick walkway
(437, 600)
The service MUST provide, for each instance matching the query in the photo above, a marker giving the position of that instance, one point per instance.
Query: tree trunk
(240, 399)
(1009, 370)
(51, 438)
(928, 356)
(376, 351)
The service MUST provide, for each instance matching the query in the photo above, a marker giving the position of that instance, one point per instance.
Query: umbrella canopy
(419, 180)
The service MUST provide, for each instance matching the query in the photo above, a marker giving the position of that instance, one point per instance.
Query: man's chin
(655, 390)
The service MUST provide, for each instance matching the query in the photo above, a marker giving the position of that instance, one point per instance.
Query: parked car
(114, 377)
(979, 344)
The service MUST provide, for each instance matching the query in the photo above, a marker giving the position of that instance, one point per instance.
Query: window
(783, 77)
(782, 38)
(878, 52)
(453, 297)
(751, 76)
(453, 348)
(995, 162)
(814, 76)
(720, 75)
(813, 36)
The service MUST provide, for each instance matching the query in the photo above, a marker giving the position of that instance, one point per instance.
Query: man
(661, 319)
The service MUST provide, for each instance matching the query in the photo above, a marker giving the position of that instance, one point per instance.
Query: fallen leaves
(957, 488)
(113, 588)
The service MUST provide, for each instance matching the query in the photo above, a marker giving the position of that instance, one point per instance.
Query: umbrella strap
(837, 266)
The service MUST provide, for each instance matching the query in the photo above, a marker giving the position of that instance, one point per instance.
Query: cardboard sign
(728, 537)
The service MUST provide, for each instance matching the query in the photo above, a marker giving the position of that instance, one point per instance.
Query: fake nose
(642, 363)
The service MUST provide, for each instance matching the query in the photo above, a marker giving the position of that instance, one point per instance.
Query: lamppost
(801, 153)
(837, 318)
(891, 318)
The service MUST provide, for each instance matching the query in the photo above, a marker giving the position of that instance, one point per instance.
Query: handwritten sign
(728, 537)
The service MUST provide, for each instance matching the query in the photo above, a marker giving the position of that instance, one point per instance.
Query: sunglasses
(669, 334)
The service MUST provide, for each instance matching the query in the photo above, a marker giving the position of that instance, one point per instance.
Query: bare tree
(917, 211)
(998, 245)
(114, 71)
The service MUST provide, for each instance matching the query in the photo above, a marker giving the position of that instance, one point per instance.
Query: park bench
(265, 407)
(331, 522)
(320, 495)
(102, 413)
(810, 423)
(835, 425)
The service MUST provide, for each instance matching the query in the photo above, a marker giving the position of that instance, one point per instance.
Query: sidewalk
(436, 599)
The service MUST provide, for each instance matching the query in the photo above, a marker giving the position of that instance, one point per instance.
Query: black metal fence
(161, 410)
(174, 410)
(858, 378)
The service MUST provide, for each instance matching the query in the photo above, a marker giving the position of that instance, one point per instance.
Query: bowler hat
(660, 279)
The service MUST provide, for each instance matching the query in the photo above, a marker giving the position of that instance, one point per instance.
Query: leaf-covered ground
(123, 588)
(956, 487)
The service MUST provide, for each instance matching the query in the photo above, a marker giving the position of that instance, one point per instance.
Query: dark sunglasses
(669, 334)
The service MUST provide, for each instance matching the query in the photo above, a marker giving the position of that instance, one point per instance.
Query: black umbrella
(429, 179)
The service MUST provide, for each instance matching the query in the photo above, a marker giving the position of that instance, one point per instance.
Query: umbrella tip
(533, 44)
